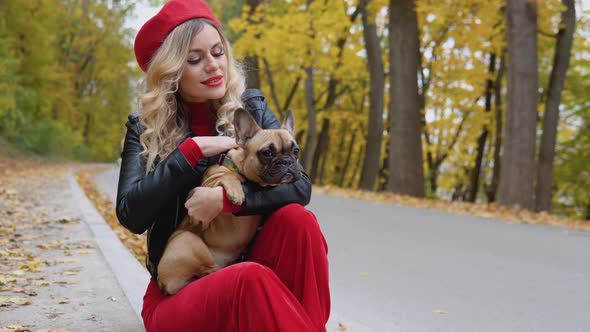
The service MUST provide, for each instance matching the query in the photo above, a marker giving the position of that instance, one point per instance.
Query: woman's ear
(245, 126)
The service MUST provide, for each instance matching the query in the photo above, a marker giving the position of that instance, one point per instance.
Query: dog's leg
(185, 258)
(233, 188)
(232, 182)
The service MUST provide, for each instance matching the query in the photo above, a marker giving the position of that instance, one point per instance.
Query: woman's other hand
(204, 204)
(212, 145)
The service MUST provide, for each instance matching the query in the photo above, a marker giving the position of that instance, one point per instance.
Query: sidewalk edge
(132, 277)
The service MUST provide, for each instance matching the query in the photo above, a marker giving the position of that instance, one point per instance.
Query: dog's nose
(285, 161)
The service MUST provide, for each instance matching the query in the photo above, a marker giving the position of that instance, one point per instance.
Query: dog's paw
(235, 194)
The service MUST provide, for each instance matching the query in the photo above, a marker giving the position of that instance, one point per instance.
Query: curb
(132, 277)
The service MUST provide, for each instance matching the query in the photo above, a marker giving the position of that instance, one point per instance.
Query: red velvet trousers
(283, 285)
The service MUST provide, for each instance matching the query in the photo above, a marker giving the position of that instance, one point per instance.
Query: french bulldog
(268, 157)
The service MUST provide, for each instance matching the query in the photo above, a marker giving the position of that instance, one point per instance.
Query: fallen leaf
(5, 280)
(18, 272)
(19, 300)
(40, 283)
(14, 328)
(68, 260)
(341, 327)
(67, 282)
(64, 301)
(85, 252)
(31, 267)
(54, 315)
(68, 221)
(440, 312)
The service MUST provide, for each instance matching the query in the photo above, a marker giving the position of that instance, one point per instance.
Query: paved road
(396, 268)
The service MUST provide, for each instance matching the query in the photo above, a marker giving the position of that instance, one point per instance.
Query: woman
(192, 88)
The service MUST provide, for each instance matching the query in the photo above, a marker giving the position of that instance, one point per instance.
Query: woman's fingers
(212, 145)
(205, 204)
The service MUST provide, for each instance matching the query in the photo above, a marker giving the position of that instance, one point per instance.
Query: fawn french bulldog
(266, 156)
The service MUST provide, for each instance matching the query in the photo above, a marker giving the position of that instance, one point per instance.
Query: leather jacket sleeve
(265, 200)
(141, 197)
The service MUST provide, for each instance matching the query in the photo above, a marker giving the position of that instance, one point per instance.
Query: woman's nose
(212, 65)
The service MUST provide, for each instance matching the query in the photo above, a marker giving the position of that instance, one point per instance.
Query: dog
(268, 157)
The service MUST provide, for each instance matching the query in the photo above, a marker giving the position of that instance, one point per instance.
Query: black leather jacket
(155, 202)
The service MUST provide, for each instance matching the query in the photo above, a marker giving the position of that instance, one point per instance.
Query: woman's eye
(194, 61)
(218, 54)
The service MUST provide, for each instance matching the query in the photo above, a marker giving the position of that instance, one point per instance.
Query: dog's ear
(289, 123)
(245, 126)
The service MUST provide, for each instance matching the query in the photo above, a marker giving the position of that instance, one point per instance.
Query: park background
(440, 99)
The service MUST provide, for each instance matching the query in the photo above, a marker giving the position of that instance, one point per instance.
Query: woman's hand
(204, 204)
(212, 145)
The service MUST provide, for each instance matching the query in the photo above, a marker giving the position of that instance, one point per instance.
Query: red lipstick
(213, 81)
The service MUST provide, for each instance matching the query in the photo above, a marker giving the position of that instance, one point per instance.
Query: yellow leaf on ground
(440, 312)
(85, 252)
(68, 260)
(18, 272)
(67, 282)
(14, 328)
(8, 300)
(41, 283)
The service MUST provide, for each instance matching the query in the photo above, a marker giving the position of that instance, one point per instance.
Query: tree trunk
(433, 177)
(252, 72)
(320, 151)
(251, 67)
(492, 189)
(355, 170)
(376, 103)
(312, 134)
(384, 170)
(348, 157)
(273, 91)
(323, 160)
(341, 156)
(518, 160)
(483, 137)
(405, 160)
(551, 119)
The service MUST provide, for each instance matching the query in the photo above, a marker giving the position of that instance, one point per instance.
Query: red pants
(282, 287)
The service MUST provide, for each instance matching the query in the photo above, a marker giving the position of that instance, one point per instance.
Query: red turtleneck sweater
(202, 123)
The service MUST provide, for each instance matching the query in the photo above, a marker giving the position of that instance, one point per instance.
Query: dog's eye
(267, 153)
(296, 152)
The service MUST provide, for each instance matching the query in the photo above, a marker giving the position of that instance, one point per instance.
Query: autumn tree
(372, 158)
(518, 159)
(565, 36)
(71, 76)
(405, 159)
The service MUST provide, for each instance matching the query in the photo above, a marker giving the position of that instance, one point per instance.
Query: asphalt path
(395, 268)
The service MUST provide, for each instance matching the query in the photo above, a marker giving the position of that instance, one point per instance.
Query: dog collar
(225, 160)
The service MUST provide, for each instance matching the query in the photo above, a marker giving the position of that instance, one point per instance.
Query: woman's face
(204, 77)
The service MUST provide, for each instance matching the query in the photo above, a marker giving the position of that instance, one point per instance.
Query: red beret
(154, 31)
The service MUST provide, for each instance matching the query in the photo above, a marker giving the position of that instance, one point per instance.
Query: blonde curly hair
(162, 113)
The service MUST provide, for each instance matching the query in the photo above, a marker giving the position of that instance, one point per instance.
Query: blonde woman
(193, 87)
